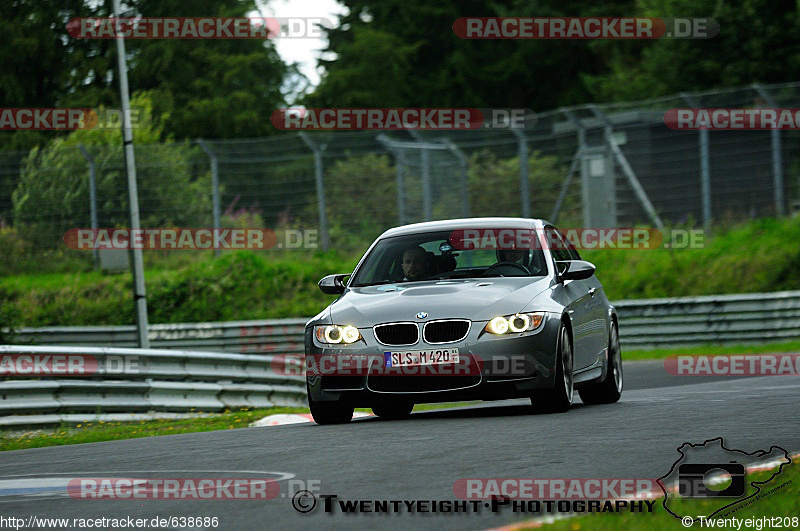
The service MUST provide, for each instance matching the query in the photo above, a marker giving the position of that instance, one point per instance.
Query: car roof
(465, 223)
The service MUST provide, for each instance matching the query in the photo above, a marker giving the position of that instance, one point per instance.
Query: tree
(52, 195)
(759, 41)
(41, 65)
(213, 88)
(406, 54)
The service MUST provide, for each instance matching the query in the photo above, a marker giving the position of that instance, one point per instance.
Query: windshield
(433, 255)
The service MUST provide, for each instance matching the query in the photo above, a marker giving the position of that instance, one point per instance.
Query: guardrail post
(92, 198)
(214, 186)
(319, 150)
(777, 155)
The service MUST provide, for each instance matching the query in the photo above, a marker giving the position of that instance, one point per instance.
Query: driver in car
(513, 256)
(415, 263)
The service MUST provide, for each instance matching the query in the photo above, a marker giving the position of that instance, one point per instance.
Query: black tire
(394, 410)
(558, 399)
(609, 389)
(330, 412)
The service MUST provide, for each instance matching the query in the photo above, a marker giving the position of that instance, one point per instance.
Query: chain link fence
(604, 165)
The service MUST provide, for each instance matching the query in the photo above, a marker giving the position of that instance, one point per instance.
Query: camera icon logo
(694, 480)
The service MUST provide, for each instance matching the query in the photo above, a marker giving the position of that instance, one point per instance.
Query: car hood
(474, 299)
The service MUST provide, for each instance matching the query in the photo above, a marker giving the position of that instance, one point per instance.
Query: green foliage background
(52, 194)
(759, 256)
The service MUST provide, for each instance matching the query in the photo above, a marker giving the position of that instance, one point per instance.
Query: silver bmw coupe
(466, 309)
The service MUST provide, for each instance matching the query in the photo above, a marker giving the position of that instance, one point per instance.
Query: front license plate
(408, 358)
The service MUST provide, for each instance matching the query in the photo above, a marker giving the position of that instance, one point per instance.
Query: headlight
(334, 334)
(515, 324)
(498, 325)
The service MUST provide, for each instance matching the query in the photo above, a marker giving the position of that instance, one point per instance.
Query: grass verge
(711, 350)
(112, 431)
(784, 502)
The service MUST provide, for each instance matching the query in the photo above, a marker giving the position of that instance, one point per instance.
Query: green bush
(760, 256)
(237, 285)
(494, 186)
(52, 195)
(20, 256)
(361, 200)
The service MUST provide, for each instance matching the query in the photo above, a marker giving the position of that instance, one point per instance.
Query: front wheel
(558, 399)
(609, 389)
(330, 412)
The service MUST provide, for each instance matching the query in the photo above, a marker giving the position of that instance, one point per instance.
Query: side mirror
(332, 284)
(575, 269)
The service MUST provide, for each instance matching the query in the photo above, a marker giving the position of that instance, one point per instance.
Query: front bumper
(492, 367)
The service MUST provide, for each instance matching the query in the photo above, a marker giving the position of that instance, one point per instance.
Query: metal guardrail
(118, 380)
(259, 363)
(274, 336)
(644, 323)
(718, 319)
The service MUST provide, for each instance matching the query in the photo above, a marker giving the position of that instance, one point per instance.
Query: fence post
(524, 178)
(319, 150)
(400, 176)
(463, 163)
(425, 162)
(573, 167)
(427, 200)
(401, 188)
(92, 199)
(705, 170)
(214, 186)
(626, 168)
(777, 154)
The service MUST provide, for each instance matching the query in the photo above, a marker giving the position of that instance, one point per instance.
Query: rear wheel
(609, 390)
(393, 411)
(330, 412)
(558, 399)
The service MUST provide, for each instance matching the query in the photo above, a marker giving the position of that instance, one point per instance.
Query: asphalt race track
(420, 458)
